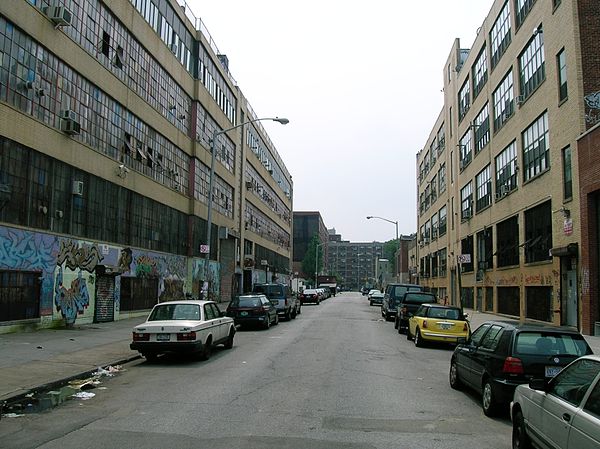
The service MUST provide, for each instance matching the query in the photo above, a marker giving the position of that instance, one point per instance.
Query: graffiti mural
(73, 301)
(172, 290)
(214, 278)
(24, 250)
(125, 260)
(146, 267)
(76, 257)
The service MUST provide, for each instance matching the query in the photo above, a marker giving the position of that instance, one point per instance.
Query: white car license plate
(163, 337)
(445, 326)
(552, 371)
(243, 313)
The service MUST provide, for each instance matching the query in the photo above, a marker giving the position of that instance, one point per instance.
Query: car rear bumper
(504, 390)
(249, 319)
(443, 338)
(179, 347)
(309, 301)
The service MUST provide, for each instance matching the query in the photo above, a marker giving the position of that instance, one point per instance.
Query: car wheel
(488, 401)
(294, 314)
(396, 324)
(267, 323)
(370, 303)
(417, 338)
(288, 315)
(408, 334)
(276, 320)
(520, 439)
(150, 356)
(453, 376)
(318, 301)
(300, 309)
(229, 343)
(206, 350)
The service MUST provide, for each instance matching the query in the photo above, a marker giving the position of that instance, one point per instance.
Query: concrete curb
(61, 382)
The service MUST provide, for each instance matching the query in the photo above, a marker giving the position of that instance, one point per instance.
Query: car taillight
(512, 365)
(465, 327)
(424, 324)
(186, 336)
(403, 309)
(286, 302)
(141, 337)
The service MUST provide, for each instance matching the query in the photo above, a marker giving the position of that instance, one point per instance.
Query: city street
(336, 377)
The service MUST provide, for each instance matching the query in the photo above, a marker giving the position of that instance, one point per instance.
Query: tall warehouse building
(108, 110)
(502, 219)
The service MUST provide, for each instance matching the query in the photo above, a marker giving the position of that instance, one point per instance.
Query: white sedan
(563, 412)
(189, 326)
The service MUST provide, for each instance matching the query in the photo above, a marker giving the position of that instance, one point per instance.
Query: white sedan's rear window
(175, 312)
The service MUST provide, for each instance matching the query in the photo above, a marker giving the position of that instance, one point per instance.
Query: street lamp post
(213, 144)
(317, 262)
(397, 240)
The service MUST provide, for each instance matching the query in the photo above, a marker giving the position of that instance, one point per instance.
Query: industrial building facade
(107, 112)
(500, 216)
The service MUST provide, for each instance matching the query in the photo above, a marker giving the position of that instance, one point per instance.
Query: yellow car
(438, 323)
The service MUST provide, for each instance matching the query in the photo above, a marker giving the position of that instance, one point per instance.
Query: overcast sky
(360, 82)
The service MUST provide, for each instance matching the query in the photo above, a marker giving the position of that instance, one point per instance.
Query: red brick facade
(588, 149)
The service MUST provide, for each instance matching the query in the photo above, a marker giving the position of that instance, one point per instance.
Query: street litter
(84, 395)
(12, 415)
(84, 384)
(108, 371)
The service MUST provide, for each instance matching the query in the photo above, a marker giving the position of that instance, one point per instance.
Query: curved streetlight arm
(384, 219)
(283, 121)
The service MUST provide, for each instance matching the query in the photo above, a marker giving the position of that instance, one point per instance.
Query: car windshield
(309, 292)
(445, 313)
(246, 302)
(550, 343)
(175, 312)
(397, 292)
(419, 298)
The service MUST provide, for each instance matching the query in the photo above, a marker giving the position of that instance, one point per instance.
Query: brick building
(107, 113)
(499, 223)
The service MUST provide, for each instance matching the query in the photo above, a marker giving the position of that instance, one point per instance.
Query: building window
(443, 225)
(479, 72)
(532, 66)
(484, 189)
(507, 249)
(434, 226)
(536, 148)
(500, 35)
(466, 152)
(508, 300)
(485, 249)
(441, 138)
(522, 8)
(506, 170)
(538, 303)
(482, 128)
(19, 295)
(561, 62)
(442, 178)
(433, 184)
(567, 173)
(466, 202)
(464, 100)
(504, 101)
(434, 264)
(538, 233)
(443, 262)
(466, 248)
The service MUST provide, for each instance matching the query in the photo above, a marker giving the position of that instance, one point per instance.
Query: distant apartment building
(307, 224)
(406, 243)
(107, 113)
(508, 178)
(355, 263)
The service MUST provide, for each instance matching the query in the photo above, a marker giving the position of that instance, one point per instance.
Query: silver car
(563, 412)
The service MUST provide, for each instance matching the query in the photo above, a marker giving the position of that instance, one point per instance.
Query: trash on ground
(84, 395)
(12, 415)
(108, 371)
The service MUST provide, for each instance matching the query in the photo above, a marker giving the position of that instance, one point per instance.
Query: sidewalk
(34, 360)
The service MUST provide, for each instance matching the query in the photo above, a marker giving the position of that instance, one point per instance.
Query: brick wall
(589, 190)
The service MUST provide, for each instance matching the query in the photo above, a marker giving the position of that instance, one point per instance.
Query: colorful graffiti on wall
(198, 277)
(29, 251)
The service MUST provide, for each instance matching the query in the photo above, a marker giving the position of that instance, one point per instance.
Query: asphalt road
(336, 377)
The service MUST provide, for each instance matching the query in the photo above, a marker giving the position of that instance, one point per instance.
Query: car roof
(440, 306)
(185, 301)
(524, 326)
(404, 285)
(251, 295)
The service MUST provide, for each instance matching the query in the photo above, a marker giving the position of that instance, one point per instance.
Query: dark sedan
(500, 355)
(253, 309)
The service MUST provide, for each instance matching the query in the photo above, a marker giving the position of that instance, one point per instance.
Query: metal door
(104, 310)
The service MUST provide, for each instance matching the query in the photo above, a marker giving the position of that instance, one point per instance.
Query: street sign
(464, 258)
(204, 249)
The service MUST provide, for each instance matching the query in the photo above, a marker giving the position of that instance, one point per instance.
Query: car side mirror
(222, 313)
(466, 316)
(538, 384)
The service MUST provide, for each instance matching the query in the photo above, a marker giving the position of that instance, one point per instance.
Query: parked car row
(546, 375)
(195, 327)
(314, 295)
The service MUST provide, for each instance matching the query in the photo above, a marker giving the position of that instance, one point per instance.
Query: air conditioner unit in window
(249, 185)
(70, 127)
(77, 188)
(59, 15)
